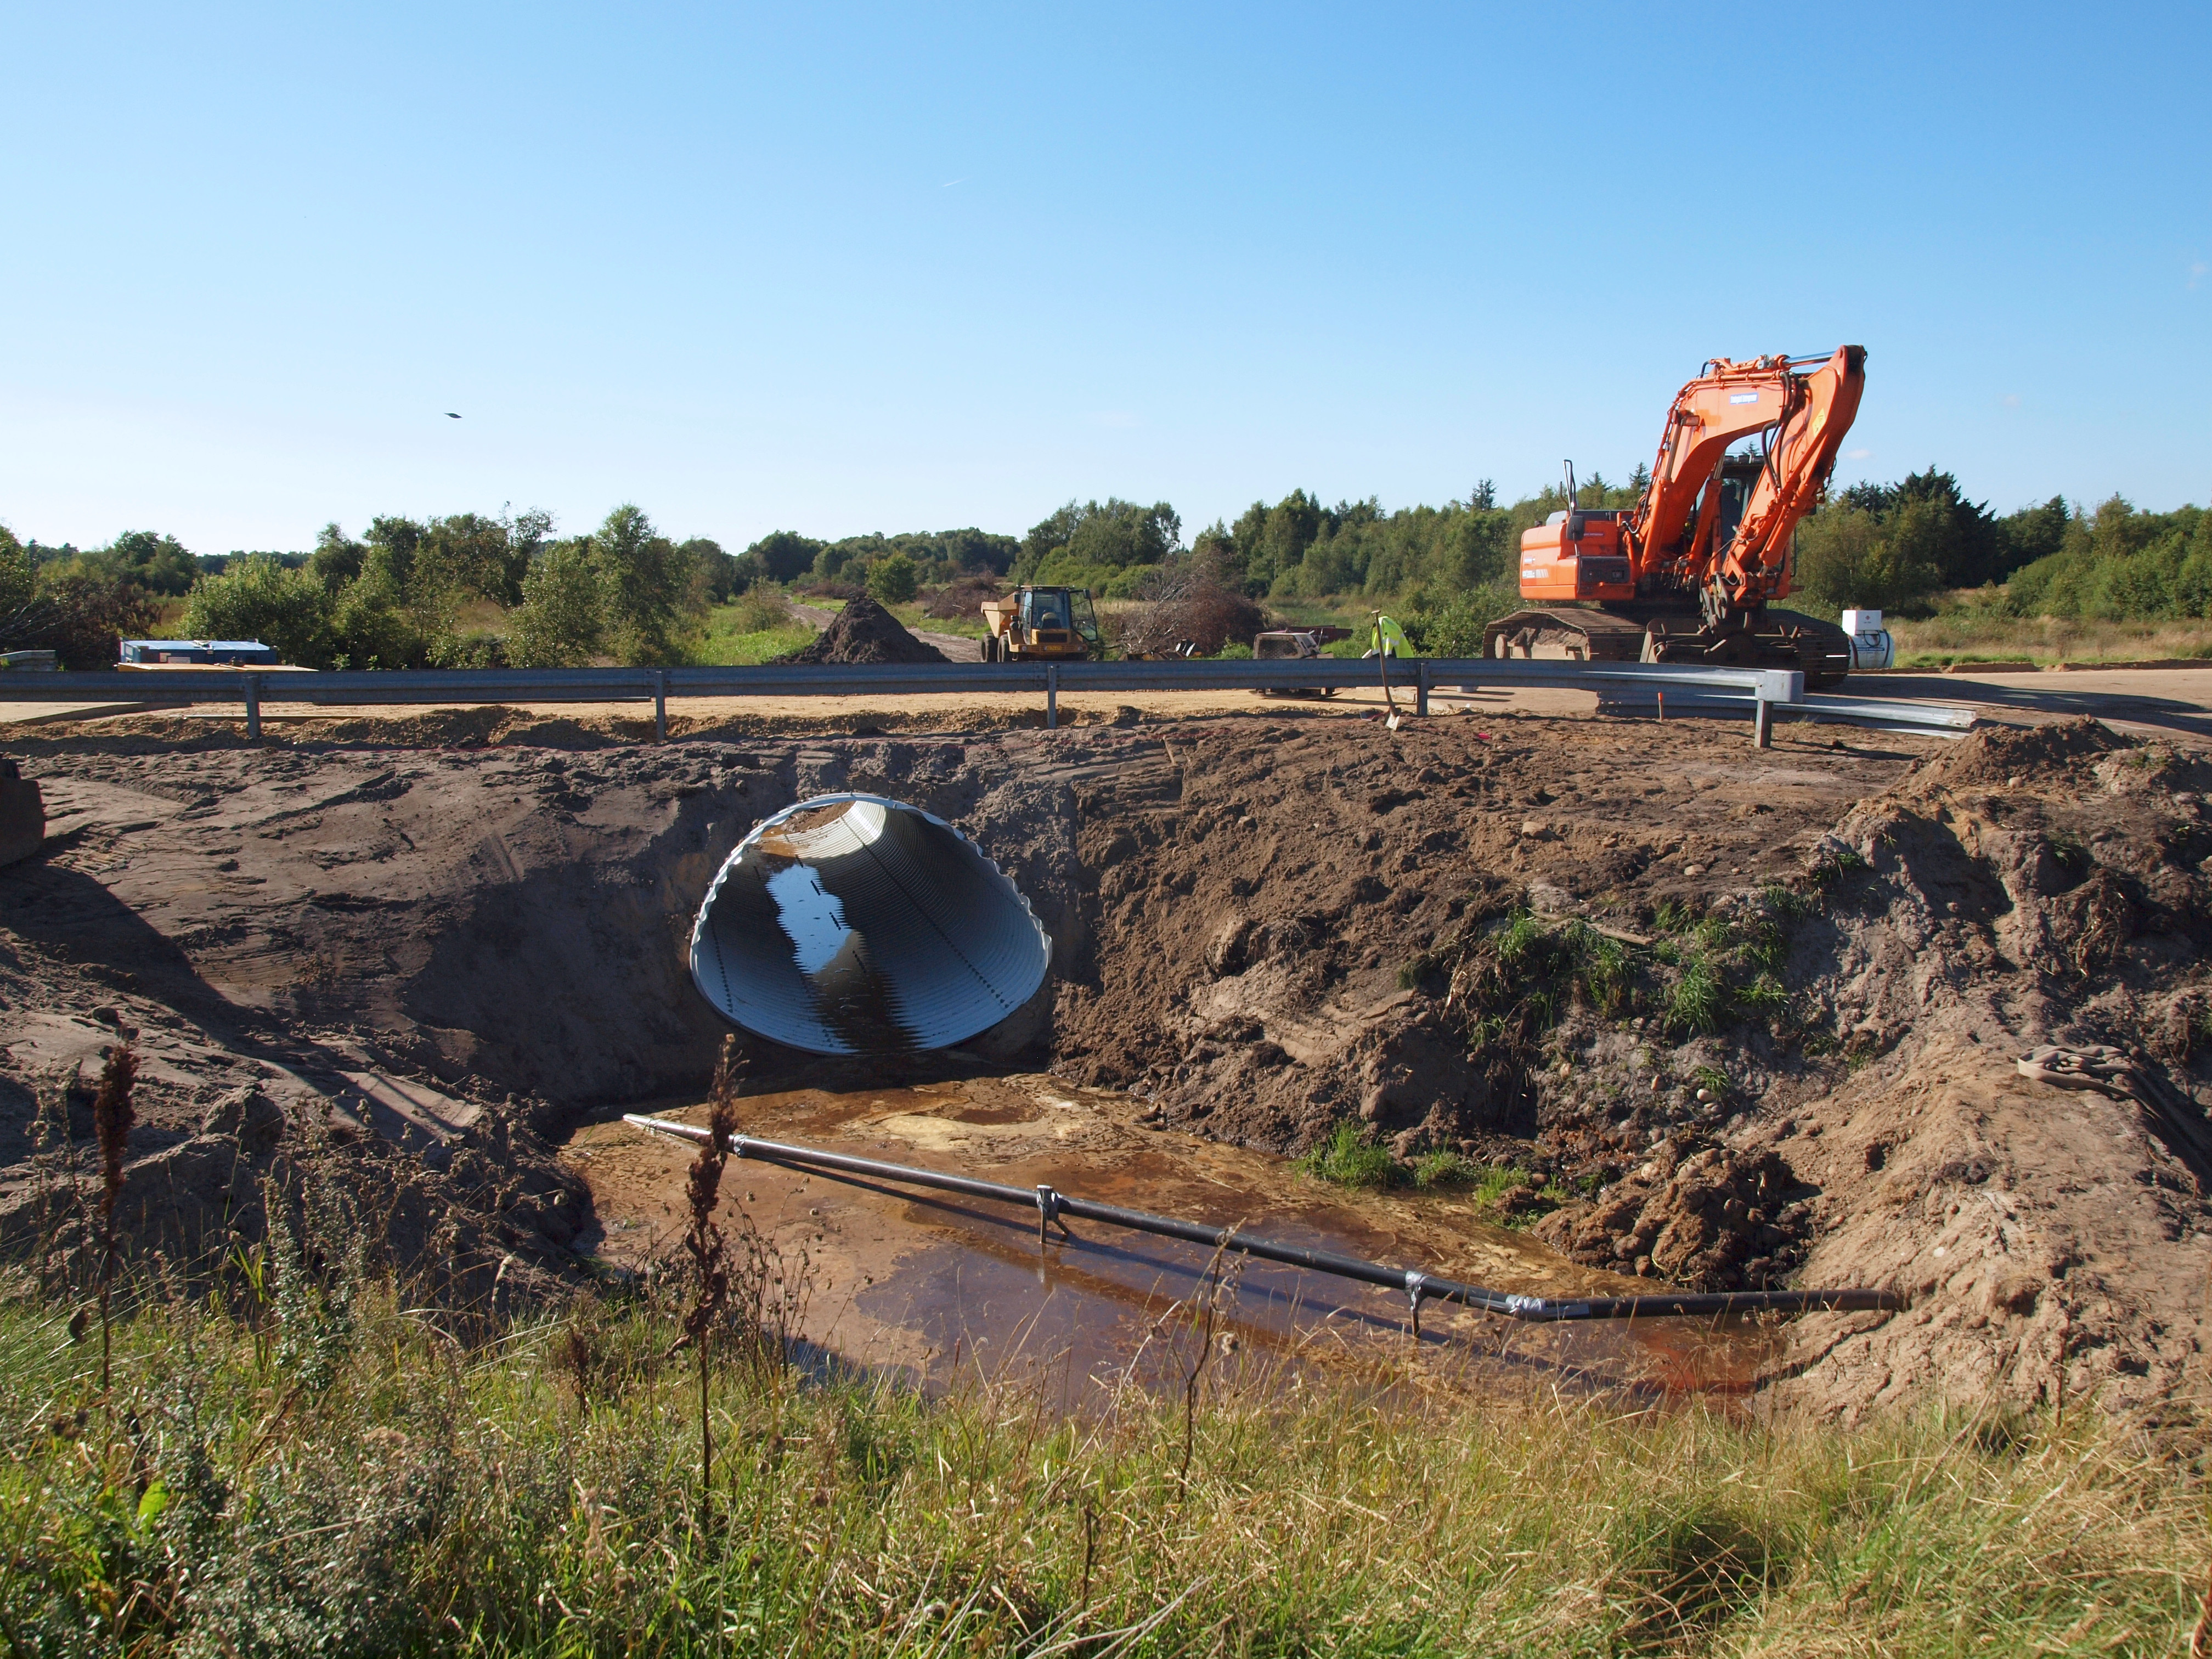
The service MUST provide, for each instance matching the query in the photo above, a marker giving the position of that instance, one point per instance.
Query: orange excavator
(1686, 574)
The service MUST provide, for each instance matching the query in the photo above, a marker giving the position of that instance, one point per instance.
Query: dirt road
(2176, 702)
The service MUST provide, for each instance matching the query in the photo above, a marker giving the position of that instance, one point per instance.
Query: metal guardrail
(1417, 1286)
(1897, 715)
(1764, 692)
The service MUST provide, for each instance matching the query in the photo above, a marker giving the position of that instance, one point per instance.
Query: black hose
(1050, 1205)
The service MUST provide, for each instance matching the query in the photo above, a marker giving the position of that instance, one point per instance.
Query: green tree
(1091, 543)
(156, 562)
(719, 577)
(373, 626)
(337, 559)
(562, 621)
(645, 580)
(257, 597)
(784, 555)
(894, 581)
(14, 574)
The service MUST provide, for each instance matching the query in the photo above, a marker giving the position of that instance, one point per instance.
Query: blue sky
(844, 268)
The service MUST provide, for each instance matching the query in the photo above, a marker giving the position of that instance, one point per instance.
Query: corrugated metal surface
(854, 923)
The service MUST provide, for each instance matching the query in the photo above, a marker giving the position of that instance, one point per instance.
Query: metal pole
(1421, 688)
(1051, 695)
(253, 705)
(660, 707)
(1762, 722)
(1050, 1205)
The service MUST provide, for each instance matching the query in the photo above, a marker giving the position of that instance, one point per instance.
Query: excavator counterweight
(1687, 573)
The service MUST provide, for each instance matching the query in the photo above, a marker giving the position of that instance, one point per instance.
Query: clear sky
(839, 269)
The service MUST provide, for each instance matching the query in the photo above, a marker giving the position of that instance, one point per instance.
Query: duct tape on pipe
(854, 923)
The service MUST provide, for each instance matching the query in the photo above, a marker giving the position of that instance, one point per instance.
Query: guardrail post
(1762, 722)
(1421, 690)
(1051, 695)
(253, 705)
(659, 706)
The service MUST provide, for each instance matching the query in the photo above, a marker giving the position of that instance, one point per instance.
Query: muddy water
(941, 1289)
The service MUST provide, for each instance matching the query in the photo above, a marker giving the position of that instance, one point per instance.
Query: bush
(371, 626)
(561, 622)
(80, 613)
(469, 651)
(257, 597)
(961, 599)
(1848, 557)
(894, 581)
(1455, 628)
(759, 609)
(1184, 607)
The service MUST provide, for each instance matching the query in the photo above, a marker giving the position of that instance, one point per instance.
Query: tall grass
(1966, 632)
(756, 627)
(432, 1497)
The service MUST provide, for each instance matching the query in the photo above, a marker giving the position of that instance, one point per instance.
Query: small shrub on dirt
(1828, 871)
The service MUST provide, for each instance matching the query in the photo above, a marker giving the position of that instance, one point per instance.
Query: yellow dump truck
(1039, 624)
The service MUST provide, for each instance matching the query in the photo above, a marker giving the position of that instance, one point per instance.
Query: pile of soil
(1466, 936)
(1718, 1220)
(865, 632)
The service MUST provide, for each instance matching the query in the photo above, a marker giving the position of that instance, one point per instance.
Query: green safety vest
(1390, 639)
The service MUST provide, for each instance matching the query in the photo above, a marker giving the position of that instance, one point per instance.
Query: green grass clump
(1694, 1004)
(1442, 1169)
(528, 1494)
(1349, 1158)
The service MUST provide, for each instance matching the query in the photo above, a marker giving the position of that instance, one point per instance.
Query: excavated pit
(420, 969)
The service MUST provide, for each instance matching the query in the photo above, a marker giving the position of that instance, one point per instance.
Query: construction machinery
(1042, 624)
(1686, 574)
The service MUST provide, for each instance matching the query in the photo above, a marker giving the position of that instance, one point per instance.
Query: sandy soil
(432, 945)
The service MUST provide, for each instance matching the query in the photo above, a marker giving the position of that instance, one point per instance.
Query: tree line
(475, 589)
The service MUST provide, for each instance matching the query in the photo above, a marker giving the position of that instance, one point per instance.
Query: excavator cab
(1739, 474)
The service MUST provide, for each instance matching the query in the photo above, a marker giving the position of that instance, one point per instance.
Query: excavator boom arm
(1805, 415)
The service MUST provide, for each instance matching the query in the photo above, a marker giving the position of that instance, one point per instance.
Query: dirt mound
(1717, 1220)
(1999, 754)
(865, 632)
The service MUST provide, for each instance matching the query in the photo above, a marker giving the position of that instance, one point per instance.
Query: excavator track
(1579, 635)
(1768, 639)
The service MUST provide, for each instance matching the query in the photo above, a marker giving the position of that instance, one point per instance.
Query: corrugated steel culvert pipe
(853, 924)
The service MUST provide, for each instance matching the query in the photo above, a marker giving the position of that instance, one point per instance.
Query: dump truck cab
(1042, 624)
